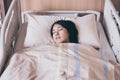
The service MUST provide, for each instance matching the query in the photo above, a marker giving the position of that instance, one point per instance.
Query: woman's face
(60, 34)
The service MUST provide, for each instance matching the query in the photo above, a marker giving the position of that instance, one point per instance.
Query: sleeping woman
(64, 31)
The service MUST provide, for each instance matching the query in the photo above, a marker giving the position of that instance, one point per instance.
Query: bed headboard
(62, 5)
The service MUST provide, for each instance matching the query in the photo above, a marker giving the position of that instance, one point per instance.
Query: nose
(56, 33)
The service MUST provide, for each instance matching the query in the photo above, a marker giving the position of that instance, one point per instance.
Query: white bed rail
(8, 32)
(112, 27)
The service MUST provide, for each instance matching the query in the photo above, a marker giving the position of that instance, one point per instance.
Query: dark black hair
(71, 28)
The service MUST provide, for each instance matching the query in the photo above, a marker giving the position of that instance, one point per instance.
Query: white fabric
(60, 62)
(38, 30)
(88, 33)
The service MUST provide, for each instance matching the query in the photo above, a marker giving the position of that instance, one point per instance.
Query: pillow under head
(38, 30)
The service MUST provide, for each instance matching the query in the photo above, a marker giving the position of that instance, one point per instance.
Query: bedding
(23, 63)
(38, 30)
(65, 61)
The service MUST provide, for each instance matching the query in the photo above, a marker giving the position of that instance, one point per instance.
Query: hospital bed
(14, 25)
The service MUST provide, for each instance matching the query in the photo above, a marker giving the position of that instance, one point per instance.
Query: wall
(7, 4)
(117, 4)
(48, 4)
(2, 11)
(63, 4)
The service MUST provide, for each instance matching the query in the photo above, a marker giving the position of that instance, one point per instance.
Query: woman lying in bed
(64, 61)
(64, 31)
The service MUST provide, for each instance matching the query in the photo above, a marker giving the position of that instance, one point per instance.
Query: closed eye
(60, 28)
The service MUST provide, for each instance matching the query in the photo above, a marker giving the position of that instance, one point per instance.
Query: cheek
(65, 34)
(53, 36)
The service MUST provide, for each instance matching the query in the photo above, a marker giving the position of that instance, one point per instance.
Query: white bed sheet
(65, 61)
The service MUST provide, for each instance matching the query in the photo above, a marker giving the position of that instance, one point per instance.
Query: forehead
(57, 26)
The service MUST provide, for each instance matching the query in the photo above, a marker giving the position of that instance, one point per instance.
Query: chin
(59, 42)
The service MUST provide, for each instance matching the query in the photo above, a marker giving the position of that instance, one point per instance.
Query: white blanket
(66, 61)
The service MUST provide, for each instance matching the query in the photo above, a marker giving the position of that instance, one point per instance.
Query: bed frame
(13, 21)
(111, 21)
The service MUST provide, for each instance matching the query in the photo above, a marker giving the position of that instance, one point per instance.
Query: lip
(57, 38)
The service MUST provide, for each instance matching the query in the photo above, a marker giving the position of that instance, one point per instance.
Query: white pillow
(88, 33)
(38, 30)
